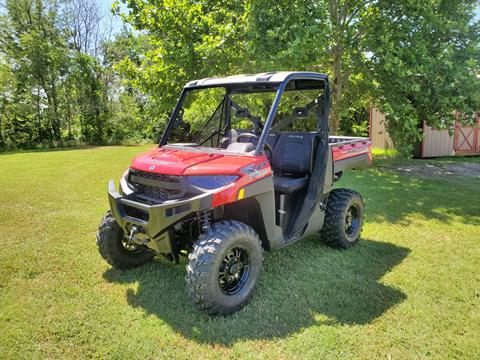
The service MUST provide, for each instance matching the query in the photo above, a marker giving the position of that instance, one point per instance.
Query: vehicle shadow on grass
(303, 285)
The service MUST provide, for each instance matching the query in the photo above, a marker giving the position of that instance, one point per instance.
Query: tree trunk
(341, 15)
(55, 120)
(2, 141)
(39, 116)
(69, 113)
(336, 53)
(337, 91)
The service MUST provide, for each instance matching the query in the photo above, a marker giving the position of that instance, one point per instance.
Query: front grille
(159, 187)
(136, 213)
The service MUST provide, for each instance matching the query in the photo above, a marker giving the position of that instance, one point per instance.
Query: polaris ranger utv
(245, 164)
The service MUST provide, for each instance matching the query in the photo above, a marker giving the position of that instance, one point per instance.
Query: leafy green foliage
(35, 54)
(425, 64)
(415, 60)
(52, 93)
(181, 40)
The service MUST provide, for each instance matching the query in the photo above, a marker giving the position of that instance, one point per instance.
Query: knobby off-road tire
(111, 245)
(343, 219)
(217, 282)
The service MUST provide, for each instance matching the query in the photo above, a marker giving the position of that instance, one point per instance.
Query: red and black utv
(245, 164)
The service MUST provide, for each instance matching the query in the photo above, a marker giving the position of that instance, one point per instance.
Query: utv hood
(180, 162)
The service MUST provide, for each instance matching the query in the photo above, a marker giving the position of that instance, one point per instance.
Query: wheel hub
(352, 220)
(234, 271)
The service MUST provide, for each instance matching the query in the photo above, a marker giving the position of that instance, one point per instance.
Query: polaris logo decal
(151, 167)
(258, 173)
(255, 171)
(159, 162)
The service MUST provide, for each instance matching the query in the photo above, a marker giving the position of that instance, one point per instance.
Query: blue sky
(108, 4)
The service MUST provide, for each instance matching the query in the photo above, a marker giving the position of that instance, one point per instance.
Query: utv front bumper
(154, 223)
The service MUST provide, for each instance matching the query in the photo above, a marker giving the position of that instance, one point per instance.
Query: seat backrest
(272, 139)
(293, 153)
(225, 142)
(240, 147)
(226, 139)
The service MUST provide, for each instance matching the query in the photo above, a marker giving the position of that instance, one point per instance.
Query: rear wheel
(114, 248)
(343, 219)
(224, 267)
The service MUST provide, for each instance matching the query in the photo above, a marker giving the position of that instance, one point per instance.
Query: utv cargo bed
(350, 153)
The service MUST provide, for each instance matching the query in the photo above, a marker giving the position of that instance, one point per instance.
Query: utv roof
(261, 78)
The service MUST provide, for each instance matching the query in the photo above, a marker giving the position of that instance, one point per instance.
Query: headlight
(211, 182)
(125, 187)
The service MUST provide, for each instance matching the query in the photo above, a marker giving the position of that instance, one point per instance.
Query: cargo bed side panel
(350, 153)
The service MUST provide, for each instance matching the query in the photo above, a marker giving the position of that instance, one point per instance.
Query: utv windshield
(214, 117)
(207, 115)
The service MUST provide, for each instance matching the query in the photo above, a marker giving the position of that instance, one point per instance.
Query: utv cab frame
(249, 191)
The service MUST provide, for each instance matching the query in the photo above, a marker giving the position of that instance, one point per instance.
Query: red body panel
(224, 165)
(352, 148)
(254, 171)
(180, 162)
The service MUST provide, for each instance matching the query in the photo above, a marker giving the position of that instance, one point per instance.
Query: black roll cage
(279, 87)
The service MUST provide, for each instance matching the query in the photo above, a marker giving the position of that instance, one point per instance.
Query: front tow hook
(135, 230)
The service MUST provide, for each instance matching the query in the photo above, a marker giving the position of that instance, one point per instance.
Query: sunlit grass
(410, 289)
(384, 153)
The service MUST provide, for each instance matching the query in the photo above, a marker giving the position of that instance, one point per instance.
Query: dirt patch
(438, 169)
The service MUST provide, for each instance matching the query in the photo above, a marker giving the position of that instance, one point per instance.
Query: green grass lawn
(409, 289)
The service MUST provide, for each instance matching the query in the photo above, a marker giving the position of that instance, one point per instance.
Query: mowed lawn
(409, 289)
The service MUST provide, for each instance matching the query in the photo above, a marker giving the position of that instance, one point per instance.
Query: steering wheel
(267, 147)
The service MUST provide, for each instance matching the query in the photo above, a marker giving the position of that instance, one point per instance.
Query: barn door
(478, 133)
(466, 138)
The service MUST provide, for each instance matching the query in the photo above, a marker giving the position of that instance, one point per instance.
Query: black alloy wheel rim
(234, 271)
(352, 220)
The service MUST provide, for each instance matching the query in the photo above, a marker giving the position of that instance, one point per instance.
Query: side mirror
(242, 113)
(301, 112)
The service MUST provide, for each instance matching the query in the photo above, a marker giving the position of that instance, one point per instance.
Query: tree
(36, 51)
(417, 60)
(327, 36)
(263, 36)
(7, 89)
(181, 40)
(55, 82)
(425, 63)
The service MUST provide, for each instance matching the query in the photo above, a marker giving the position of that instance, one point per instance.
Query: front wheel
(343, 218)
(114, 248)
(224, 267)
